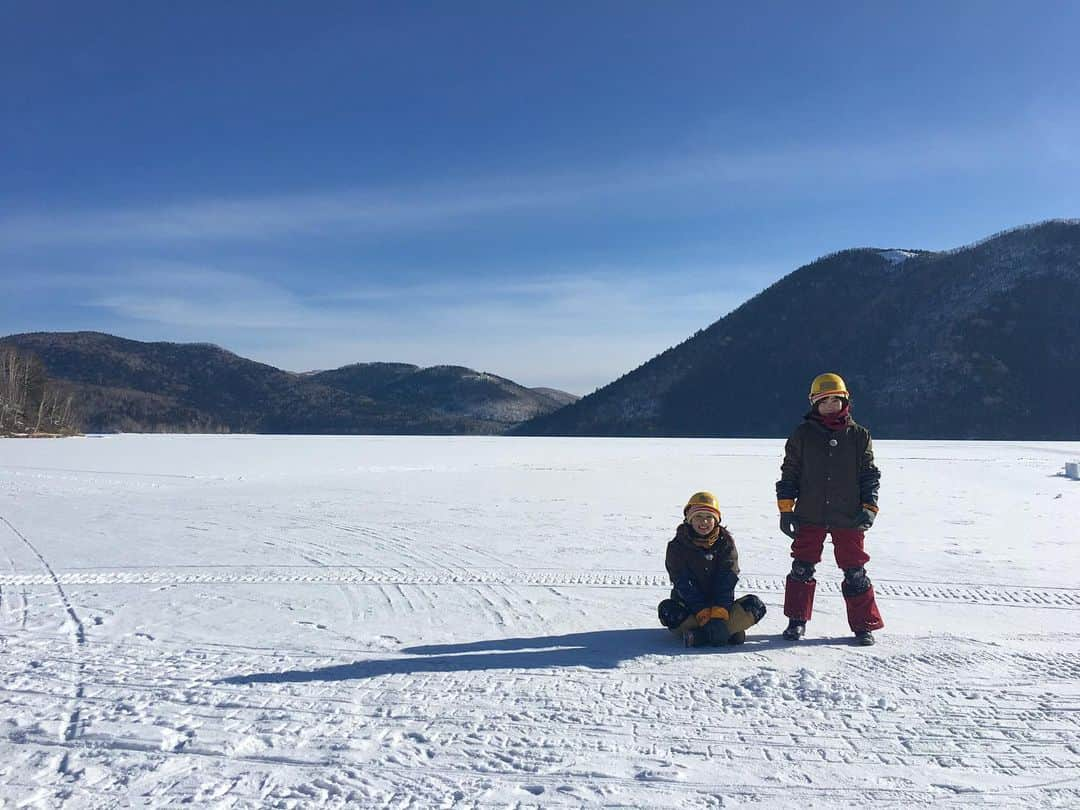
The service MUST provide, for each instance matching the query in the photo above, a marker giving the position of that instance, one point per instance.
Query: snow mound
(896, 256)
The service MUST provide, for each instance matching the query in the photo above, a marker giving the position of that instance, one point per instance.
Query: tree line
(31, 405)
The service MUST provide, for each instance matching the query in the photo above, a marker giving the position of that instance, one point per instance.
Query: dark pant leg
(800, 586)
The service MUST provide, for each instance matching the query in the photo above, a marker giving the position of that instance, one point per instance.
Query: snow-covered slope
(425, 622)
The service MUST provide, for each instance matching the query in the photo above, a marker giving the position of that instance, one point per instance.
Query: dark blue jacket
(702, 577)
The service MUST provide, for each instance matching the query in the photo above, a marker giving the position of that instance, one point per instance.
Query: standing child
(829, 484)
(703, 565)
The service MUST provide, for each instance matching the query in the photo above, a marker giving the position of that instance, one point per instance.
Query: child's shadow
(597, 649)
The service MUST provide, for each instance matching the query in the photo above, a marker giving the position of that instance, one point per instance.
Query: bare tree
(12, 391)
(29, 403)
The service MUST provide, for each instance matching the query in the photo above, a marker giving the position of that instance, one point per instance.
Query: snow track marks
(387, 730)
(74, 724)
(1001, 595)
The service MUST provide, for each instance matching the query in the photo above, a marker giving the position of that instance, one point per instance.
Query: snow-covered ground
(427, 622)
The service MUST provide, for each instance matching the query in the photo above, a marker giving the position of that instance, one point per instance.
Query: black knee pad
(802, 571)
(855, 581)
(671, 613)
(754, 606)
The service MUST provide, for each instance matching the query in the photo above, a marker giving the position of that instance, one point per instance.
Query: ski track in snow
(1061, 598)
(73, 724)
(361, 659)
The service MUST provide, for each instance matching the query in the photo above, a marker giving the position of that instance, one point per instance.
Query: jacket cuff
(786, 504)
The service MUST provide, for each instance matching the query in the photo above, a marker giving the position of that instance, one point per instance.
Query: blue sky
(553, 192)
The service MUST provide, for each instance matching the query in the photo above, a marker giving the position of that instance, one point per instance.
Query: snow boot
(799, 591)
(795, 630)
(864, 638)
(716, 633)
(671, 613)
(745, 613)
(862, 609)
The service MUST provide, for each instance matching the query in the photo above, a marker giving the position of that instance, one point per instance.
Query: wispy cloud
(748, 176)
(254, 218)
(668, 282)
(599, 321)
(199, 297)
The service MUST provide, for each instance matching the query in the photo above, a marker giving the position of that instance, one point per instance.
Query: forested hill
(128, 385)
(980, 342)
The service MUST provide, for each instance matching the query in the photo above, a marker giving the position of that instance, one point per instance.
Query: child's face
(830, 405)
(703, 522)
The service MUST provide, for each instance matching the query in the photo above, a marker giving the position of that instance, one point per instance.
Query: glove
(865, 519)
(716, 633)
(789, 524)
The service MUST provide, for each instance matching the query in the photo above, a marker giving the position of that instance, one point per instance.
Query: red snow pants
(862, 610)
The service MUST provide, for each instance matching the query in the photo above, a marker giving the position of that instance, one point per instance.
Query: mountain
(449, 391)
(128, 385)
(561, 397)
(981, 342)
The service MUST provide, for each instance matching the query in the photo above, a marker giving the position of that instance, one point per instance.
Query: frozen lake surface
(425, 622)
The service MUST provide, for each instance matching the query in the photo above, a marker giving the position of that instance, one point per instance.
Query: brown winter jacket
(828, 475)
(702, 577)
